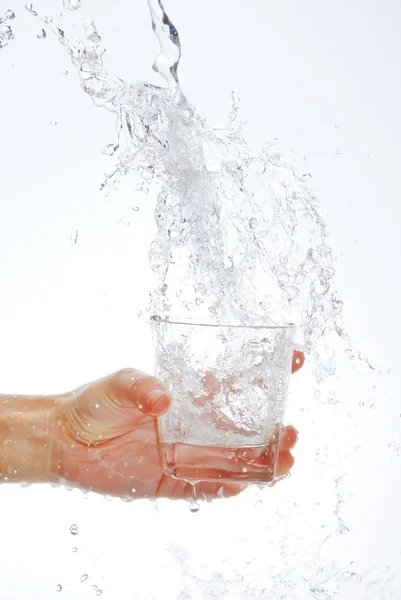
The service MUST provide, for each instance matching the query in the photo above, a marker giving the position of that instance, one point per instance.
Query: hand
(108, 439)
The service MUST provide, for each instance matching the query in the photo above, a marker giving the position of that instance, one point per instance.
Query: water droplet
(75, 549)
(305, 157)
(398, 451)
(97, 405)
(135, 208)
(259, 505)
(74, 529)
(72, 4)
(338, 151)
(337, 126)
(10, 15)
(220, 492)
(84, 577)
(253, 223)
(99, 593)
(362, 404)
(42, 35)
(95, 587)
(65, 72)
(194, 507)
(373, 406)
(59, 588)
(108, 498)
(53, 123)
(354, 575)
(285, 183)
(29, 6)
(245, 470)
(133, 490)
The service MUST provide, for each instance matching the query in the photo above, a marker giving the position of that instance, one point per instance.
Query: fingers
(131, 387)
(289, 438)
(298, 361)
(285, 462)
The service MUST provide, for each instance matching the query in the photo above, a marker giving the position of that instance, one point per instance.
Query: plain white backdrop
(319, 75)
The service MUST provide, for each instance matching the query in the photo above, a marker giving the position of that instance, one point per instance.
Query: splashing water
(241, 236)
(6, 33)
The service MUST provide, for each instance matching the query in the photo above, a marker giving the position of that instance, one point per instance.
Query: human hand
(107, 439)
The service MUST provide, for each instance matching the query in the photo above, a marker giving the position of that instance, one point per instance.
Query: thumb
(112, 406)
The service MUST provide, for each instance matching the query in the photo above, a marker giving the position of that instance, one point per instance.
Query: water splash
(242, 238)
(6, 33)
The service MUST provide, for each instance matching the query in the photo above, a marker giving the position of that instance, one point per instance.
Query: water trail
(168, 60)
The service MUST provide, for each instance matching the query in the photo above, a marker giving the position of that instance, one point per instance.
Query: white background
(68, 313)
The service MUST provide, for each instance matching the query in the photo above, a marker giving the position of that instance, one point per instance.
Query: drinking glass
(229, 387)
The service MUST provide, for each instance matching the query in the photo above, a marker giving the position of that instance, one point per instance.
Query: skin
(103, 437)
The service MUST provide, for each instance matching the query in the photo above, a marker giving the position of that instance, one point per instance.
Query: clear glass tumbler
(229, 386)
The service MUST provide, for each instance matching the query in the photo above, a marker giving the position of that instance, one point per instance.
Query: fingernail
(156, 402)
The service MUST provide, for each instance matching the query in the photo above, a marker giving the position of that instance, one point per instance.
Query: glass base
(217, 463)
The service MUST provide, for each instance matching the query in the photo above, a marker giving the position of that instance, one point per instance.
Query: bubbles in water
(194, 506)
(72, 4)
(59, 588)
(84, 577)
(74, 529)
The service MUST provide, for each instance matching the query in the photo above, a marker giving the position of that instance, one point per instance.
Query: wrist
(27, 439)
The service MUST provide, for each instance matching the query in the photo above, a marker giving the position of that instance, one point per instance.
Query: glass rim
(160, 320)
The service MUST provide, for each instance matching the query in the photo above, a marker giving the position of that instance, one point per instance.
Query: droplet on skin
(99, 593)
(285, 183)
(29, 6)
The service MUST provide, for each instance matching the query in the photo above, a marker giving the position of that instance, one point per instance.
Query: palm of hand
(108, 440)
